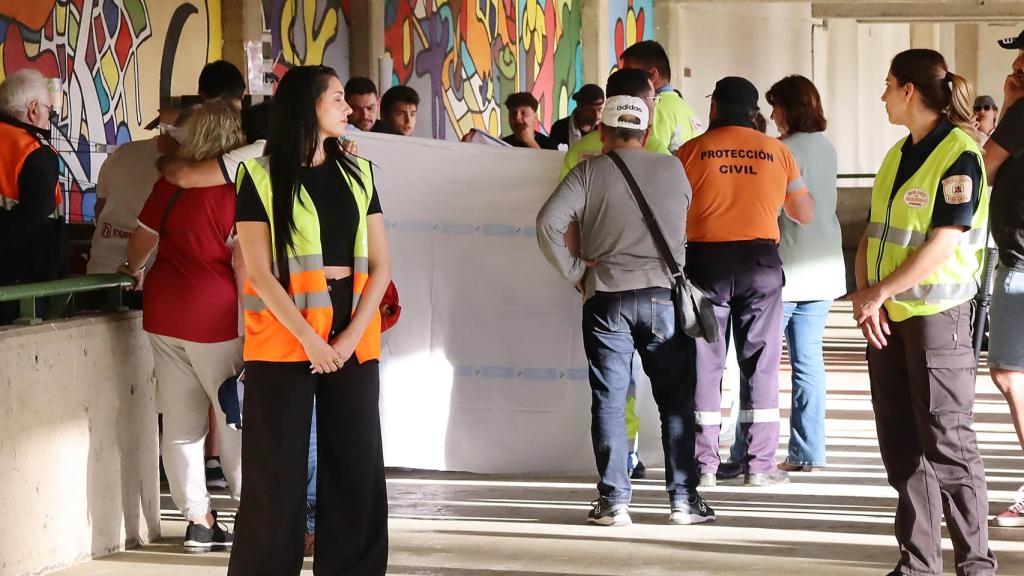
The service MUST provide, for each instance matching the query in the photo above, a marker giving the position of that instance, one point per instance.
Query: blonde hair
(212, 129)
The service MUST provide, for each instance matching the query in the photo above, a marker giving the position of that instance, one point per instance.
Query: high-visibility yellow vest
(590, 146)
(900, 223)
(674, 122)
(267, 339)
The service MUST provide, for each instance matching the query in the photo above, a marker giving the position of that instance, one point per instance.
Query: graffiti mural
(465, 57)
(111, 56)
(305, 32)
(631, 21)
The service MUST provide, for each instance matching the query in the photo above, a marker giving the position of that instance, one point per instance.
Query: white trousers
(188, 375)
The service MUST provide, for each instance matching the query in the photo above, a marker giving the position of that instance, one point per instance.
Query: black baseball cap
(588, 94)
(736, 91)
(1012, 43)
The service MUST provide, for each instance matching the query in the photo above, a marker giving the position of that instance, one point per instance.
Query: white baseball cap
(626, 112)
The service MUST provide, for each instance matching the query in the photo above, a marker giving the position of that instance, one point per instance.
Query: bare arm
(254, 240)
(860, 266)
(191, 173)
(140, 247)
(995, 155)
(380, 276)
(238, 266)
(799, 207)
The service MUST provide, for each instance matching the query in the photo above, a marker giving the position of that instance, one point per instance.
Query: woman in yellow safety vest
(312, 236)
(918, 268)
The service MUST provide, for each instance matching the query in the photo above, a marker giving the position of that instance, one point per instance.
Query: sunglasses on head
(986, 108)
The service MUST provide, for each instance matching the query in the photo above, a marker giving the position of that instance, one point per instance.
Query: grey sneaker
(708, 480)
(693, 510)
(609, 515)
(767, 479)
(200, 539)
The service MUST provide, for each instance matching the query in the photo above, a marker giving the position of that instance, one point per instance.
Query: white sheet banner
(485, 371)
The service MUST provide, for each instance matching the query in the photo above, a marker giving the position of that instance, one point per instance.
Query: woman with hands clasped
(918, 269)
(312, 235)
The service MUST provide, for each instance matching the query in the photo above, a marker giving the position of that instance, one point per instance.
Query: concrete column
(966, 57)
(241, 22)
(924, 35)
(668, 26)
(595, 38)
(366, 39)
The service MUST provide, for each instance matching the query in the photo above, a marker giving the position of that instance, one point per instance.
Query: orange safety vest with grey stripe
(266, 339)
(19, 143)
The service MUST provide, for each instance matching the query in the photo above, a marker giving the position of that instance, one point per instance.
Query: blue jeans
(803, 323)
(614, 325)
(311, 477)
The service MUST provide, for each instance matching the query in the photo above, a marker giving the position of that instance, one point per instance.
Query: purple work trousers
(744, 282)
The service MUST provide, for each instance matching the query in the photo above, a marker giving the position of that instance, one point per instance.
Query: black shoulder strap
(167, 210)
(645, 209)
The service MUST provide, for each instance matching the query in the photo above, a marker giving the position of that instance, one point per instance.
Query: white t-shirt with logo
(125, 181)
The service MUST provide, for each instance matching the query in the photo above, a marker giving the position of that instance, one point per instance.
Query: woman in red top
(190, 311)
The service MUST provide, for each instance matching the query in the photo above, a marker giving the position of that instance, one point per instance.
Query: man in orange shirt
(741, 179)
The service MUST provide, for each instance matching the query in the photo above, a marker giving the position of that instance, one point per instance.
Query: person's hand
(138, 277)
(323, 359)
(167, 145)
(350, 147)
(589, 264)
(344, 345)
(870, 315)
(527, 134)
(1013, 88)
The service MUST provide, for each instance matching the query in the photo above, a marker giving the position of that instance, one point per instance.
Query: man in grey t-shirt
(628, 303)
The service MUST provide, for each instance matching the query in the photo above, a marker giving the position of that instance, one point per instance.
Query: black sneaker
(693, 510)
(603, 515)
(639, 472)
(729, 470)
(199, 539)
(214, 474)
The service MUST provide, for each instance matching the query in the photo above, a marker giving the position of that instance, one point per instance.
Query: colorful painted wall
(117, 59)
(464, 58)
(631, 21)
(305, 32)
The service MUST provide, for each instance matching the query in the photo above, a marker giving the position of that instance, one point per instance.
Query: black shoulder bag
(695, 314)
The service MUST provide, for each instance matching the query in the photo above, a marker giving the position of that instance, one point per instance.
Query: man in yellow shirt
(674, 120)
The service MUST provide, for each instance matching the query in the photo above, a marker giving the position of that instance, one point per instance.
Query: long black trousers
(352, 507)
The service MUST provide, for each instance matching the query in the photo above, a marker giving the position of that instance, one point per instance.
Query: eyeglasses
(986, 108)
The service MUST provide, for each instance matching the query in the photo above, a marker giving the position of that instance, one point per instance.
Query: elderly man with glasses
(33, 237)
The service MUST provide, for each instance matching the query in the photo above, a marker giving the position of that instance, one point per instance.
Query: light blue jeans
(803, 324)
(311, 477)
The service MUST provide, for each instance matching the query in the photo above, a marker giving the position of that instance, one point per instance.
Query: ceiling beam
(910, 11)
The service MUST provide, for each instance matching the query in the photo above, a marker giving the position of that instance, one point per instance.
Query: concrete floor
(838, 521)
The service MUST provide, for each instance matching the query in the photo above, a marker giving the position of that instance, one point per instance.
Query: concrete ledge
(78, 442)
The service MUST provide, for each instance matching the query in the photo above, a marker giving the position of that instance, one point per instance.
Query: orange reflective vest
(17, 144)
(266, 339)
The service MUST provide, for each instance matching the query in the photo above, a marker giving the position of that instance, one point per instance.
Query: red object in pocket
(390, 309)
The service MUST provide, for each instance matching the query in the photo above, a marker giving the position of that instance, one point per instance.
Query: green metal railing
(61, 292)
